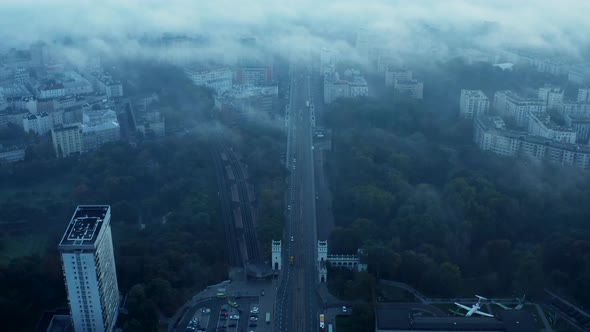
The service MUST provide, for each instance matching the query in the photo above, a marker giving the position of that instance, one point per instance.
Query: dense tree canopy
(438, 213)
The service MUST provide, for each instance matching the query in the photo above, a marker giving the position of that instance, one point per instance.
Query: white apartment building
(3, 102)
(39, 123)
(574, 108)
(581, 125)
(67, 139)
(220, 79)
(104, 83)
(75, 84)
(510, 105)
(473, 103)
(392, 75)
(98, 128)
(583, 95)
(335, 88)
(542, 126)
(50, 90)
(551, 95)
(88, 264)
(490, 134)
(412, 88)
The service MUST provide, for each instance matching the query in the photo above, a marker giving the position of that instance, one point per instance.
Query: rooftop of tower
(84, 227)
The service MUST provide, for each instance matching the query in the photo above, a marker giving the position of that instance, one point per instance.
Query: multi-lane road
(297, 299)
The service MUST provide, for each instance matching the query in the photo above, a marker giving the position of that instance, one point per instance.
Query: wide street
(297, 300)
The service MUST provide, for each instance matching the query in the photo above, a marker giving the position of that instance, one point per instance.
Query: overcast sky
(294, 25)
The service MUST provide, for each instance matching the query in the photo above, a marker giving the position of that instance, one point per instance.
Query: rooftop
(85, 226)
(473, 93)
(392, 317)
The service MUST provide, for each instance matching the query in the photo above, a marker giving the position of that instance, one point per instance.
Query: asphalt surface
(297, 299)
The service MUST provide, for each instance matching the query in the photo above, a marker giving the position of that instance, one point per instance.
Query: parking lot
(218, 315)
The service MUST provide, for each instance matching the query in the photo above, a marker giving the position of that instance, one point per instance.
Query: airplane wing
(462, 306)
(481, 313)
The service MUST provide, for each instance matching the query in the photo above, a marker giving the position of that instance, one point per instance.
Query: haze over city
(298, 166)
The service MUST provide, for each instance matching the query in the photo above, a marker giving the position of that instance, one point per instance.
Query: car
(254, 310)
(288, 207)
(206, 310)
(253, 318)
(292, 239)
(224, 314)
(262, 292)
(344, 309)
(293, 166)
(234, 317)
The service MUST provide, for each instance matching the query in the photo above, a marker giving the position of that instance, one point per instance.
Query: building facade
(67, 139)
(490, 134)
(412, 88)
(581, 125)
(510, 105)
(219, 79)
(551, 95)
(88, 264)
(583, 95)
(392, 75)
(99, 127)
(473, 103)
(543, 126)
(38, 123)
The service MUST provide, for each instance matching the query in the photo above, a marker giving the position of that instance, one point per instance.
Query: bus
(267, 318)
(322, 323)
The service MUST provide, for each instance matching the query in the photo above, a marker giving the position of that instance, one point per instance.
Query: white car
(292, 239)
(234, 317)
(254, 310)
(344, 309)
(206, 310)
(253, 318)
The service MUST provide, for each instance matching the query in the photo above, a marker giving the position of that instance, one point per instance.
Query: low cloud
(297, 27)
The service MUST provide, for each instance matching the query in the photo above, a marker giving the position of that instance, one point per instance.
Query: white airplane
(475, 308)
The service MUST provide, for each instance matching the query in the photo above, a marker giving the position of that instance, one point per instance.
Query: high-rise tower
(89, 269)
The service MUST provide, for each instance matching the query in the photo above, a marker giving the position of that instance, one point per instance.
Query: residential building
(88, 264)
(392, 75)
(75, 84)
(50, 90)
(358, 87)
(12, 115)
(219, 79)
(473, 103)
(574, 108)
(38, 123)
(335, 88)
(490, 134)
(256, 76)
(543, 126)
(99, 127)
(583, 95)
(551, 95)
(396, 318)
(581, 125)
(146, 116)
(412, 88)
(67, 139)
(104, 83)
(510, 105)
(12, 154)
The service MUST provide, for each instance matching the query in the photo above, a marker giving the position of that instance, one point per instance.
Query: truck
(267, 319)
